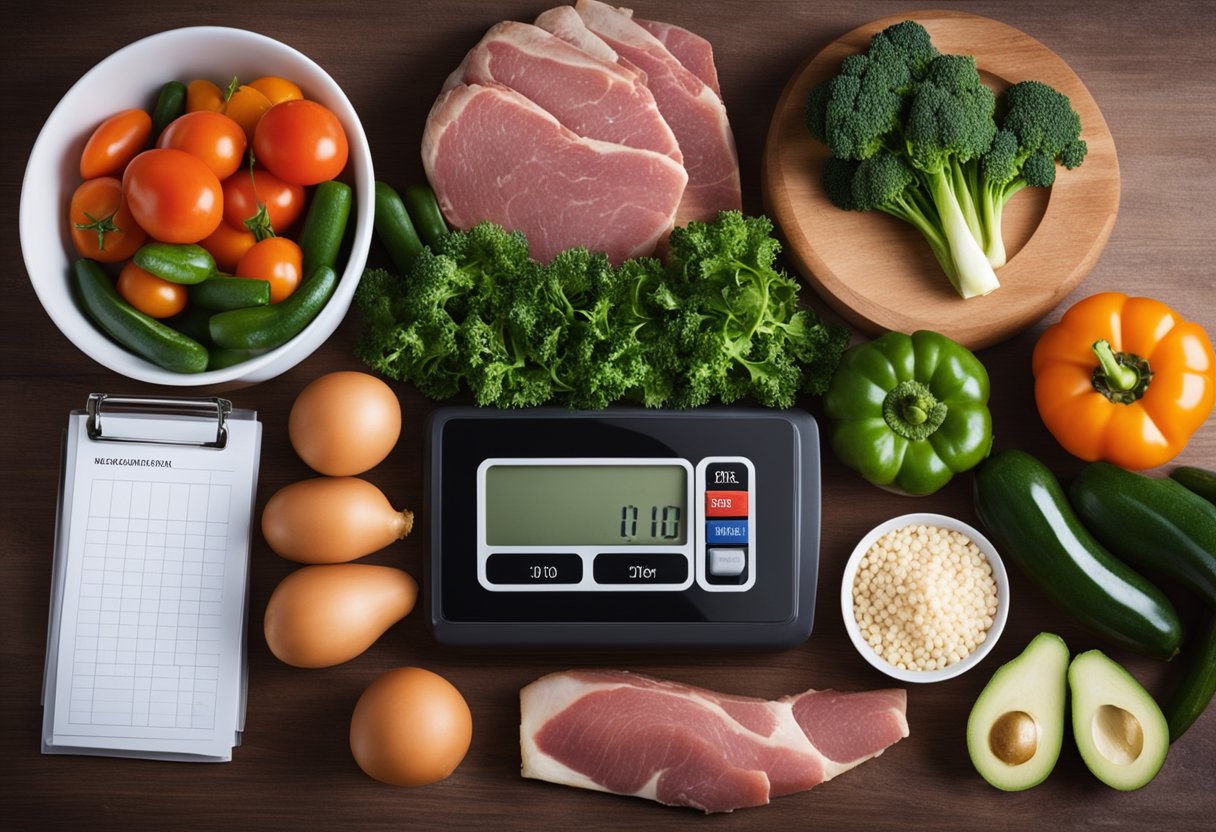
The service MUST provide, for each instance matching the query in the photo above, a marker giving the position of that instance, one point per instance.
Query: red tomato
(149, 293)
(300, 141)
(173, 195)
(114, 143)
(102, 227)
(242, 194)
(276, 259)
(227, 245)
(213, 137)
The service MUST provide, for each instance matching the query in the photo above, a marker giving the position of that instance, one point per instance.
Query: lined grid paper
(151, 596)
(146, 646)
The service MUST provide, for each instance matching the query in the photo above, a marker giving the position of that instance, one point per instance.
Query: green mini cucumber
(1154, 524)
(220, 293)
(193, 322)
(144, 336)
(395, 228)
(188, 264)
(424, 211)
(170, 104)
(1200, 480)
(325, 225)
(264, 327)
(221, 358)
(1022, 506)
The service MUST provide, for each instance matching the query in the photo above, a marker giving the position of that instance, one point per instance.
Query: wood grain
(1151, 68)
(876, 271)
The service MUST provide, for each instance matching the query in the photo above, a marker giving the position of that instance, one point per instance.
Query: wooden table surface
(1151, 69)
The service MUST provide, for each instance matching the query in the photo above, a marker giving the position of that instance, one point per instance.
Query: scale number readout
(664, 522)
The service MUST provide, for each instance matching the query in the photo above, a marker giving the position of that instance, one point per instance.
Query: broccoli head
(1039, 128)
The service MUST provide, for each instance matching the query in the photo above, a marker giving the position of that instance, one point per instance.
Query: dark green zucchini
(1199, 480)
(1198, 683)
(1154, 524)
(1023, 508)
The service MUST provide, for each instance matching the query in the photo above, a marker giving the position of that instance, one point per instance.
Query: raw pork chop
(615, 731)
(594, 98)
(491, 154)
(690, 49)
(694, 111)
(564, 22)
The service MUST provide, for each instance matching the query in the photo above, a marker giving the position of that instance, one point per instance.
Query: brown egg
(410, 727)
(319, 616)
(344, 423)
(331, 520)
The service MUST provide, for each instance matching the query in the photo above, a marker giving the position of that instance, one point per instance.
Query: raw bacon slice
(491, 154)
(594, 98)
(690, 49)
(616, 731)
(694, 111)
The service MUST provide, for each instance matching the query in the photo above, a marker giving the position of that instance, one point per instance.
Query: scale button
(725, 503)
(727, 563)
(524, 568)
(726, 531)
(726, 475)
(630, 568)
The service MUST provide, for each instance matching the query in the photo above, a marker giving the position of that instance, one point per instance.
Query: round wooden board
(877, 271)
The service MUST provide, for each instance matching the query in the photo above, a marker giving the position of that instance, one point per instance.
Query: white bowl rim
(87, 340)
(998, 574)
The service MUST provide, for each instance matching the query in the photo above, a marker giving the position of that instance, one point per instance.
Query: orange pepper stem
(1121, 377)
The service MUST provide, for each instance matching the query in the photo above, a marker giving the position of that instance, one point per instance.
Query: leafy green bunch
(916, 134)
(718, 321)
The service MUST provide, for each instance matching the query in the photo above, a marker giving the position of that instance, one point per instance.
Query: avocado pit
(1014, 737)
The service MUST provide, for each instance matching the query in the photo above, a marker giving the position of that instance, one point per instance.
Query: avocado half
(1119, 729)
(1016, 726)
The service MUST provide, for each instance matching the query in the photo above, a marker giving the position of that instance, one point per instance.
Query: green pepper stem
(912, 411)
(1118, 376)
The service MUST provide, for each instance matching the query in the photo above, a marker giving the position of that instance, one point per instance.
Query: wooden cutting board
(877, 271)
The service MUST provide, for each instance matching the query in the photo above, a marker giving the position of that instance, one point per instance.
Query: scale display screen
(586, 505)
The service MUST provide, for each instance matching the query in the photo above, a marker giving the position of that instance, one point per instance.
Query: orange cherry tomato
(149, 293)
(227, 245)
(102, 226)
(277, 89)
(114, 143)
(204, 95)
(243, 196)
(276, 259)
(246, 107)
(174, 196)
(1125, 380)
(213, 137)
(301, 142)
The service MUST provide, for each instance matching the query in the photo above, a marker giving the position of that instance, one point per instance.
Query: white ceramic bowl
(998, 574)
(132, 77)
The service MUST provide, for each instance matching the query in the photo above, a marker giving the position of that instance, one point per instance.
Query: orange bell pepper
(1125, 380)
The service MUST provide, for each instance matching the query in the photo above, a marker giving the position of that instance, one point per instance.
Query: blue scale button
(726, 531)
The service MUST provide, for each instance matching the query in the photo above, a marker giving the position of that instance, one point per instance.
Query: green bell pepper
(909, 411)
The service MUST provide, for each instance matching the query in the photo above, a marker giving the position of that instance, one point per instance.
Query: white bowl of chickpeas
(924, 597)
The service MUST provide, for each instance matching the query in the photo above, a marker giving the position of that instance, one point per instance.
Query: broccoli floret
(1039, 127)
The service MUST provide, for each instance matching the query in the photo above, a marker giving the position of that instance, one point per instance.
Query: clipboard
(146, 648)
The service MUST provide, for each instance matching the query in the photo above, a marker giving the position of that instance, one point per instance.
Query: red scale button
(725, 503)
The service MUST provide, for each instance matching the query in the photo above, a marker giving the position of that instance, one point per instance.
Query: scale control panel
(616, 524)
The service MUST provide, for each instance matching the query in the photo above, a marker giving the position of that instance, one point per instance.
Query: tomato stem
(102, 226)
(233, 86)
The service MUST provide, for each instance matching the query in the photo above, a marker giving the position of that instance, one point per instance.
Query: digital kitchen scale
(622, 527)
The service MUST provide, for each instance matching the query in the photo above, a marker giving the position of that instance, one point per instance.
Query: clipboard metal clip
(207, 407)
